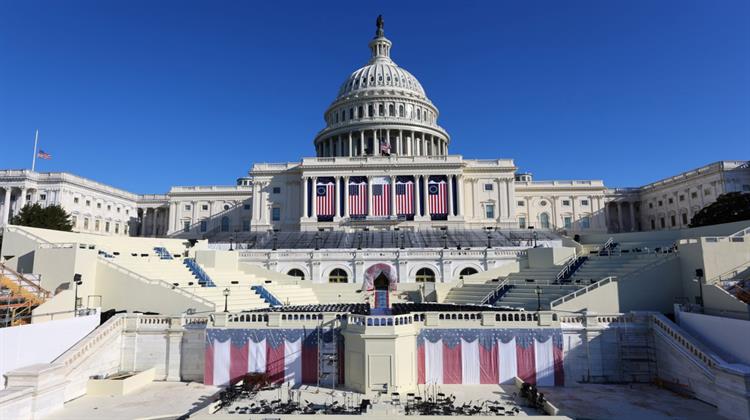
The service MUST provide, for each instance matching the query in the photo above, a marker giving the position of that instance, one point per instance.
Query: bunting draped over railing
(474, 356)
(288, 356)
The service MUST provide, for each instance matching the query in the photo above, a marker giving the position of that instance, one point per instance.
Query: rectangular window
(706, 192)
(671, 201)
(585, 222)
(568, 222)
(186, 226)
(118, 209)
(522, 222)
(584, 202)
(106, 226)
(662, 223)
(98, 205)
(109, 208)
(276, 214)
(127, 211)
(86, 223)
(661, 203)
(88, 203)
(74, 221)
(521, 203)
(673, 220)
(75, 200)
(246, 206)
(684, 219)
(745, 187)
(187, 207)
(693, 194)
(96, 225)
(489, 211)
(204, 207)
(653, 224)
(488, 187)
(246, 226)
(42, 197)
(682, 197)
(276, 190)
(204, 225)
(566, 202)
(117, 228)
(650, 205)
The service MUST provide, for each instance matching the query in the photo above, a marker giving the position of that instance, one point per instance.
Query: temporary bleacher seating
(162, 253)
(266, 295)
(203, 278)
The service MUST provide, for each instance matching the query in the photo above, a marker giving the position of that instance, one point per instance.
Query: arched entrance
(381, 285)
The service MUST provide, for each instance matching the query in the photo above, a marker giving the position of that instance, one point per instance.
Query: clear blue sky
(144, 95)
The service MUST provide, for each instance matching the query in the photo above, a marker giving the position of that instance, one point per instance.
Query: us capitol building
(382, 162)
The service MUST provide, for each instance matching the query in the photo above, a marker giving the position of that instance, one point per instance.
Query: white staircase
(292, 294)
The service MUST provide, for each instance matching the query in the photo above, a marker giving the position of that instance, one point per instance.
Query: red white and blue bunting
(288, 356)
(474, 356)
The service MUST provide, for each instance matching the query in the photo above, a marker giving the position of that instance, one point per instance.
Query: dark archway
(381, 282)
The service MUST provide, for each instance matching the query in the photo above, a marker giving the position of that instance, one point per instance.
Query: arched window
(296, 272)
(360, 111)
(419, 113)
(225, 224)
(544, 220)
(337, 276)
(381, 110)
(467, 272)
(425, 275)
(391, 110)
(370, 111)
(401, 111)
(351, 113)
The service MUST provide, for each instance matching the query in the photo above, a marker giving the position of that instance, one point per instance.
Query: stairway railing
(203, 278)
(26, 286)
(266, 295)
(570, 268)
(583, 291)
(496, 294)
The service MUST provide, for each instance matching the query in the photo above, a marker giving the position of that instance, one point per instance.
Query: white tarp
(42, 342)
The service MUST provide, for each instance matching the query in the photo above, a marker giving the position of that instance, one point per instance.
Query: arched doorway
(338, 276)
(544, 220)
(381, 285)
(467, 272)
(296, 272)
(425, 275)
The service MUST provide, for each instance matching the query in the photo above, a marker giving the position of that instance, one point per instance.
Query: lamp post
(536, 236)
(445, 240)
(77, 280)
(317, 238)
(275, 237)
(489, 238)
(699, 279)
(230, 244)
(402, 240)
(538, 291)
(226, 299)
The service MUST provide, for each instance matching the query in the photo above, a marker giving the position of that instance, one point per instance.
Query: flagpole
(36, 140)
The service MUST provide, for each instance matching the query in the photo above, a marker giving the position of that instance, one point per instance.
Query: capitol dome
(381, 109)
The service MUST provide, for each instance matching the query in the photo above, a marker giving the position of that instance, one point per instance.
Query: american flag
(438, 192)
(41, 154)
(358, 198)
(405, 197)
(324, 198)
(381, 197)
(385, 146)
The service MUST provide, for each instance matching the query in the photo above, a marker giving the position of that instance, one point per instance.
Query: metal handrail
(583, 291)
(43, 293)
(567, 267)
(158, 282)
(502, 285)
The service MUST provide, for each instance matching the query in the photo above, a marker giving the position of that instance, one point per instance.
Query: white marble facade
(381, 129)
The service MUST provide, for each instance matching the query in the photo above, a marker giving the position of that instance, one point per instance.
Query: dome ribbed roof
(381, 74)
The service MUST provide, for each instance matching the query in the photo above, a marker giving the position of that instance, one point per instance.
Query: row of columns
(350, 145)
(20, 202)
(154, 217)
(620, 219)
(309, 202)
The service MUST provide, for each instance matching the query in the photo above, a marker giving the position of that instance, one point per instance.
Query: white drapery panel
(256, 356)
(470, 364)
(506, 352)
(293, 362)
(222, 359)
(433, 362)
(544, 363)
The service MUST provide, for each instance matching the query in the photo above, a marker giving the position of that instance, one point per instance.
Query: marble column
(501, 194)
(172, 217)
(425, 196)
(460, 195)
(314, 197)
(346, 196)
(393, 195)
(632, 217)
(621, 228)
(350, 151)
(6, 207)
(369, 196)
(305, 214)
(337, 197)
(450, 195)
